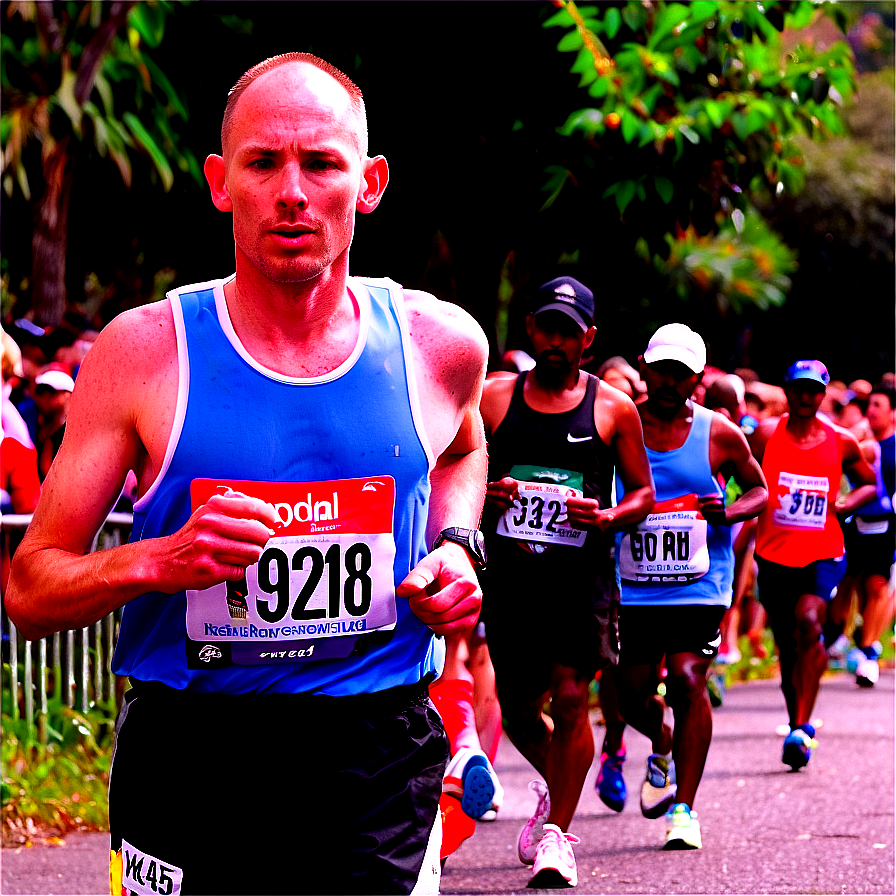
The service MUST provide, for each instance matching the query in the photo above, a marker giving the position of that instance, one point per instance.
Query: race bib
(140, 874)
(668, 547)
(323, 580)
(538, 518)
(801, 501)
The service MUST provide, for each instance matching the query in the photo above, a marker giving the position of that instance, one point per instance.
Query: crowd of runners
(309, 456)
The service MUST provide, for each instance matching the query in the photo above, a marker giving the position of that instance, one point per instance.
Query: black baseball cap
(569, 296)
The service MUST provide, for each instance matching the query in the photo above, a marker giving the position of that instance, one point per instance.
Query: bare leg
(609, 704)
(811, 659)
(485, 697)
(878, 611)
(642, 707)
(559, 746)
(687, 696)
(571, 751)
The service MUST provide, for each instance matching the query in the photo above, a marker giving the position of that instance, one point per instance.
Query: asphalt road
(826, 829)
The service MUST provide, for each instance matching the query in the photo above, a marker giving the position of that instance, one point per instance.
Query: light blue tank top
(236, 420)
(680, 472)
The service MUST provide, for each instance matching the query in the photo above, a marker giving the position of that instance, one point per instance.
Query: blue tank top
(353, 436)
(881, 506)
(683, 471)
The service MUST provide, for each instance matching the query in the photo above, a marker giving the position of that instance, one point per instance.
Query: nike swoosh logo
(570, 437)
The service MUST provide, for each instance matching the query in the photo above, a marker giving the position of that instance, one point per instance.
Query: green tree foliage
(77, 78)
(694, 111)
(849, 192)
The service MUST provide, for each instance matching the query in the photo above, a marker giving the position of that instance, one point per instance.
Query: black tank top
(569, 441)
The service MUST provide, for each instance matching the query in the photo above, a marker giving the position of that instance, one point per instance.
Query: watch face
(471, 539)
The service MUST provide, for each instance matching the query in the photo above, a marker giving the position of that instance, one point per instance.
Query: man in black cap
(556, 434)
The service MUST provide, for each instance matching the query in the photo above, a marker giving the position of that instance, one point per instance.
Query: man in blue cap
(799, 541)
(556, 433)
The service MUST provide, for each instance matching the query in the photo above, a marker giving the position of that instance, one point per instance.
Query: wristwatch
(470, 539)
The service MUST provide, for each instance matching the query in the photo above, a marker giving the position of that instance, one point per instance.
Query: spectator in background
(835, 397)
(52, 391)
(14, 424)
(28, 340)
(72, 355)
(861, 389)
(764, 400)
(19, 483)
(852, 417)
(619, 373)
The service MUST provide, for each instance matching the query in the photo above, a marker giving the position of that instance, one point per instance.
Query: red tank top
(799, 526)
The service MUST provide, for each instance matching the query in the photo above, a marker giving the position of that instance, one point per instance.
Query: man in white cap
(52, 392)
(799, 542)
(556, 433)
(675, 570)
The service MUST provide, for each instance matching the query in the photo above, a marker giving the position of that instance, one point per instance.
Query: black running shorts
(276, 793)
(870, 545)
(646, 633)
(545, 611)
(781, 585)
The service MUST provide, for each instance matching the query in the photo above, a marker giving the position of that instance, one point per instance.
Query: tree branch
(93, 53)
(49, 24)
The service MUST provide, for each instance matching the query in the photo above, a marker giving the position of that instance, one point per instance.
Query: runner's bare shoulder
(449, 339)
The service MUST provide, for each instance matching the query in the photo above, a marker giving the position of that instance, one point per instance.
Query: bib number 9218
(344, 576)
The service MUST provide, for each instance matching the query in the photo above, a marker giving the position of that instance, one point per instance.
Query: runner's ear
(214, 174)
(375, 178)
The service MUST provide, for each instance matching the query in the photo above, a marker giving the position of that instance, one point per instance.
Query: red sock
(453, 698)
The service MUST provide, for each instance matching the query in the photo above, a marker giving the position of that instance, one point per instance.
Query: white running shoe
(471, 778)
(555, 862)
(682, 828)
(867, 673)
(533, 829)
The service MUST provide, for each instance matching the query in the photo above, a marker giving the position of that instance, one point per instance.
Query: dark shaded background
(463, 99)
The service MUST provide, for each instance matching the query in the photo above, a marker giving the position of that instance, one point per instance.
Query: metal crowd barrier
(72, 666)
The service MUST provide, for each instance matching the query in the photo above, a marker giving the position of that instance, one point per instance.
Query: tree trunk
(50, 239)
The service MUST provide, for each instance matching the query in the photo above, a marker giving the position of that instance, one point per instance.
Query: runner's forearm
(748, 505)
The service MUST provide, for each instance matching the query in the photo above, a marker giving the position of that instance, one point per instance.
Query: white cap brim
(674, 353)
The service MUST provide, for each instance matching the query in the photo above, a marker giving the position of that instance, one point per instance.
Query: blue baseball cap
(808, 370)
(569, 296)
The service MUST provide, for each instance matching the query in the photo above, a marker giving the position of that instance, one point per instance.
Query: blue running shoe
(660, 786)
(610, 785)
(471, 778)
(798, 747)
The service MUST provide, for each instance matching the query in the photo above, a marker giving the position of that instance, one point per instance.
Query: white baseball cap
(677, 342)
(55, 379)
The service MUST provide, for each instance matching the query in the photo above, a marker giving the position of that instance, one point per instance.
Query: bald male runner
(310, 461)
